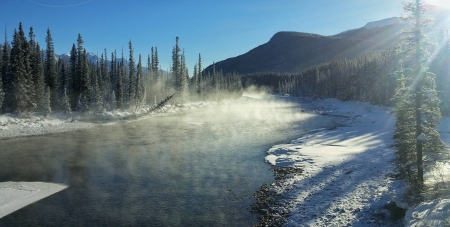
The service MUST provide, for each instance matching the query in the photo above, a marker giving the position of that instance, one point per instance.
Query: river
(198, 168)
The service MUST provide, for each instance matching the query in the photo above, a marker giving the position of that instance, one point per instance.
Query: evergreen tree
(105, 79)
(20, 69)
(47, 109)
(82, 103)
(64, 102)
(113, 72)
(6, 79)
(62, 84)
(39, 82)
(85, 78)
(184, 78)
(50, 72)
(200, 76)
(404, 125)
(131, 76)
(119, 83)
(194, 81)
(2, 93)
(82, 69)
(179, 72)
(423, 99)
(140, 90)
(34, 54)
(74, 89)
(155, 66)
(96, 93)
(156, 69)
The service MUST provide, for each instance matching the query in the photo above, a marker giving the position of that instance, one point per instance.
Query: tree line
(35, 80)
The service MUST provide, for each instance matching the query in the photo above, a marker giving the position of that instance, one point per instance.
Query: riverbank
(35, 124)
(347, 173)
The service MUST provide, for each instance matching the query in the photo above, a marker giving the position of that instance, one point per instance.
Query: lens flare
(440, 3)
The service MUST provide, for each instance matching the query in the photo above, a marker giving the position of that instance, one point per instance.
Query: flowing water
(198, 168)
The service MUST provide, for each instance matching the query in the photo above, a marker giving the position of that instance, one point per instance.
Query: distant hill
(290, 52)
(91, 57)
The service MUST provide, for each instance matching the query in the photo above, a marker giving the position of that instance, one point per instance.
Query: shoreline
(34, 125)
(321, 178)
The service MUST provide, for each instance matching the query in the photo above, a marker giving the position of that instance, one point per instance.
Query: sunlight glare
(440, 3)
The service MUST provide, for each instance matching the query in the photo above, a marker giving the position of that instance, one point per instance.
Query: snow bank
(346, 172)
(11, 125)
(366, 128)
(35, 124)
(15, 195)
(434, 213)
(345, 179)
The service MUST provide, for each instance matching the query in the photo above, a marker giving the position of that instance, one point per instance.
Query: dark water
(193, 169)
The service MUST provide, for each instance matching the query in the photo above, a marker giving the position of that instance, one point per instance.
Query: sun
(440, 3)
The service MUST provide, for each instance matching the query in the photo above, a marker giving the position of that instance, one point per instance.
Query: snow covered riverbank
(12, 126)
(346, 177)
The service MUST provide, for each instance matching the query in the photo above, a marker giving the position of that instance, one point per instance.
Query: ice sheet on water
(16, 195)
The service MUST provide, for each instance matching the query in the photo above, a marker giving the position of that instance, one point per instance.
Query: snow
(15, 195)
(34, 124)
(434, 213)
(346, 172)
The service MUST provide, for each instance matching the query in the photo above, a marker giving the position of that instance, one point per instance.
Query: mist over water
(198, 168)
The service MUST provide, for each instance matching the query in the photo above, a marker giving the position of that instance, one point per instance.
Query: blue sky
(216, 29)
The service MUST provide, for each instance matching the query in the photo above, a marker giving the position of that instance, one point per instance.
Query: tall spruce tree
(39, 80)
(21, 71)
(6, 79)
(96, 92)
(418, 98)
(113, 72)
(131, 76)
(47, 109)
(74, 89)
(140, 89)
(155, 68)
(200, 76)
(119, 83)
(179, 72)
(62, 86)
(34, 64)
(85, 78)
(2, 93)
(50, 72)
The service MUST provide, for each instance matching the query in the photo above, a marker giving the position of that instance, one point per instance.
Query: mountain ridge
(292, 52)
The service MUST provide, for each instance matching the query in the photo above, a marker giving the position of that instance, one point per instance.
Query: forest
(370, 78)
(35, 80)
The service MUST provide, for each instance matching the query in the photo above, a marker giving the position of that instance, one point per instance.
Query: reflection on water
(194, 169)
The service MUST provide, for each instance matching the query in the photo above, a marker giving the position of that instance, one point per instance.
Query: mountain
(91, 57)
(290, 52)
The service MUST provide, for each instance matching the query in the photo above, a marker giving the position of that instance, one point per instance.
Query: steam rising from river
(172, 170)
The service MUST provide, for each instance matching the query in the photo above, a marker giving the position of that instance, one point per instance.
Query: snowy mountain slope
(381, 23)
